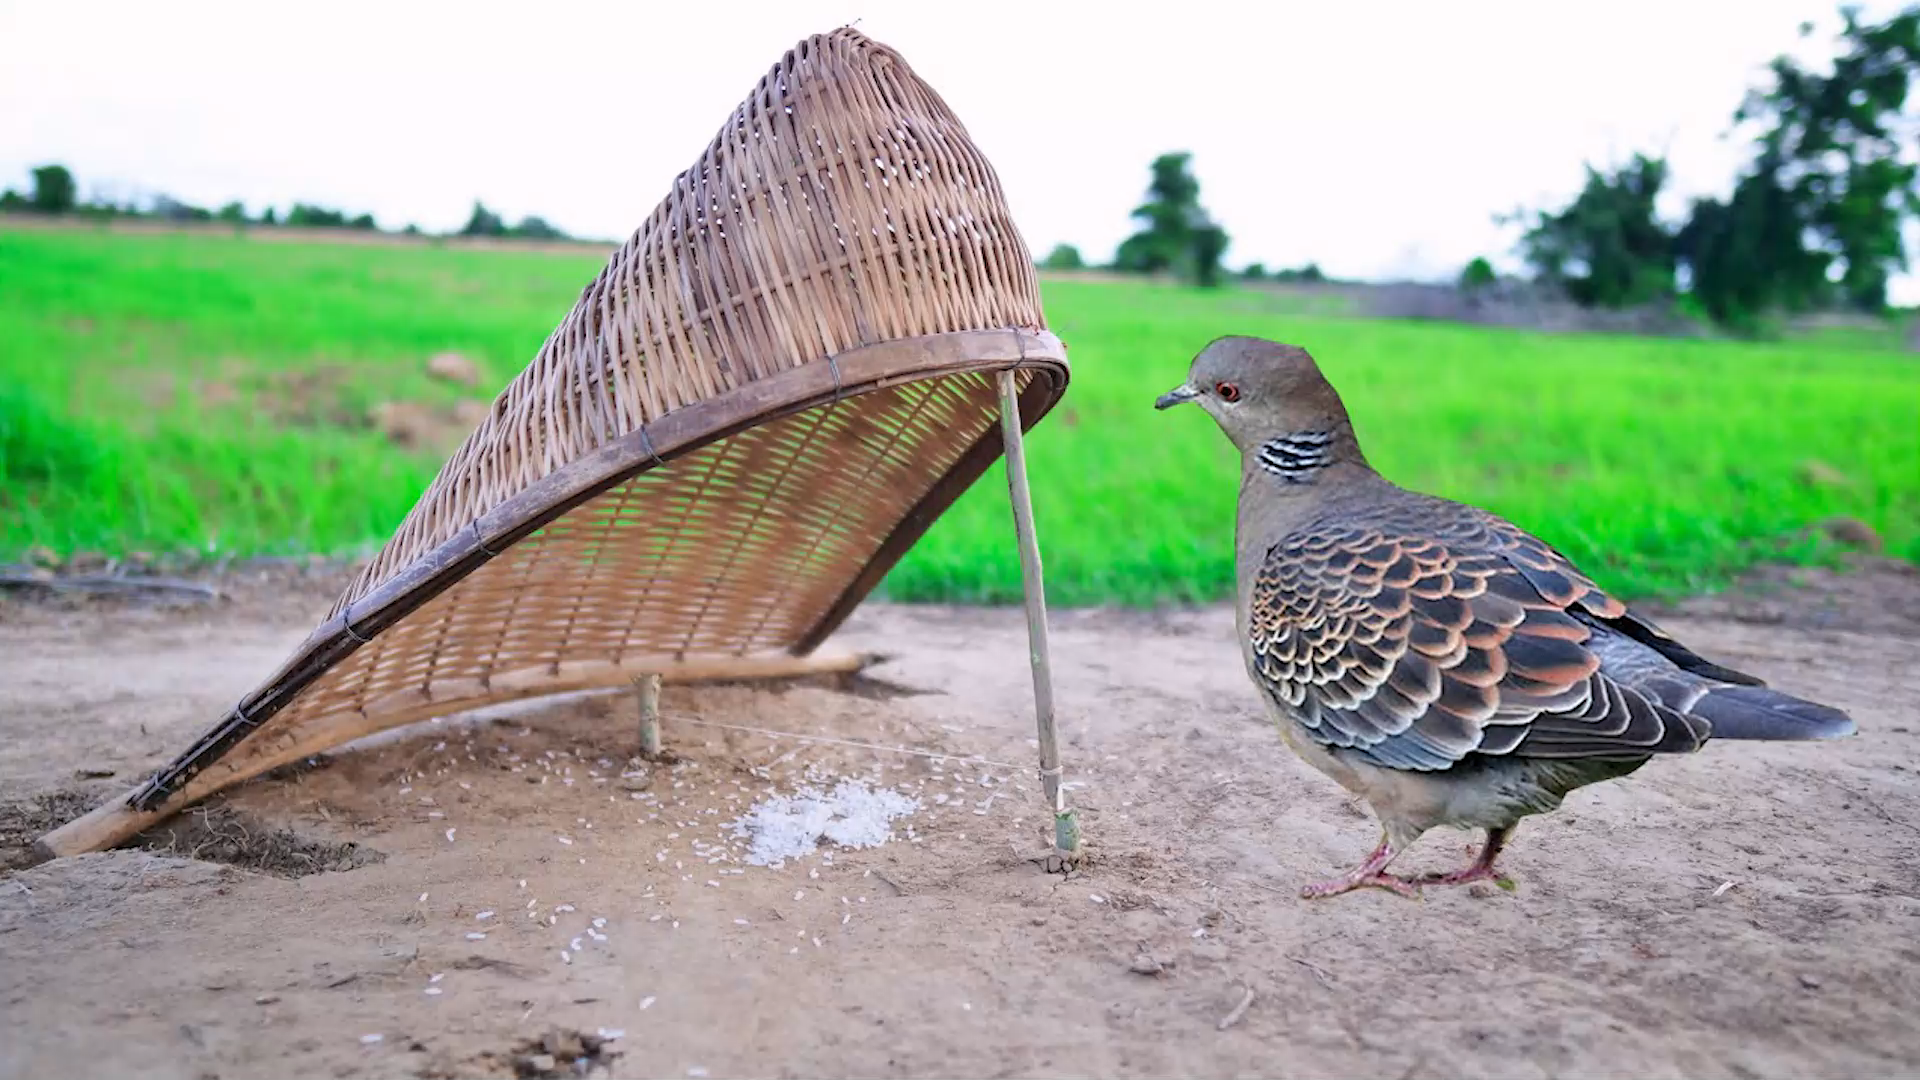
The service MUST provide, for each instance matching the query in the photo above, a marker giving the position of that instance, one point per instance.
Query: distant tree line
(54, 192)
(1814, 221)
(1815, 217)
(484, 222)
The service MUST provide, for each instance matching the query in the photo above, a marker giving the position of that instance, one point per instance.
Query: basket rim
(850, 373)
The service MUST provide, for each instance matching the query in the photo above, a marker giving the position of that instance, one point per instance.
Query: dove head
(1273, 404)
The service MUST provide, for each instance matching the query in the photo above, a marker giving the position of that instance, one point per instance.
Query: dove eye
(1227, 391)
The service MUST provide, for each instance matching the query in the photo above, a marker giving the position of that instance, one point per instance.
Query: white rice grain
(852, 815)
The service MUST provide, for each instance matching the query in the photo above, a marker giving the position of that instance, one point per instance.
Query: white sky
(1378, 139)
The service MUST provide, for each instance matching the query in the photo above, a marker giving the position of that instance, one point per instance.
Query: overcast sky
(1376, 139)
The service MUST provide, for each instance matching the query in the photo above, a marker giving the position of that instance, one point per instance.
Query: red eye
(1227, 391)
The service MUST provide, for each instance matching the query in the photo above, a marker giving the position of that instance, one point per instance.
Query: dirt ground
(1750, 911)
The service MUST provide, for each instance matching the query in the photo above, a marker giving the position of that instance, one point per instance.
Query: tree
(1209, 244)
(1607, 248)
(1256, 271)
(483, 222)
(537, 228)
(1176, 235)
(234, 213)
(1477, 274)
(1748, 255)
(1063, 257)
(303, 214)
(1832, 146)
(53, 189)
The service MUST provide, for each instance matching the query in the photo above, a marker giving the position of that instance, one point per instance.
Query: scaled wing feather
(1429, 632)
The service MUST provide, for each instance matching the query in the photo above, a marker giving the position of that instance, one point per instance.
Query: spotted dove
(1432, 658)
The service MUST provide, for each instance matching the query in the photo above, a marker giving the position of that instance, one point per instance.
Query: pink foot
(1471, 874)
(1369, 874)
(1393, 883)
(1482, 868)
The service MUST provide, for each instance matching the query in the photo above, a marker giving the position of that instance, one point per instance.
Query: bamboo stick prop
(648, 687)
(1066, 828)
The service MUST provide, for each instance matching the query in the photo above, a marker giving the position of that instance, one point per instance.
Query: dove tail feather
(1646, 633)
(1755, 712)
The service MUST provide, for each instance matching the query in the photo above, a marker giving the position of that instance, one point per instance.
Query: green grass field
(206, 391)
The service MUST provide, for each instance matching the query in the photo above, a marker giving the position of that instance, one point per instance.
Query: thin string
(480, 542)
(833, 365)
(646, 446)
(684, 719)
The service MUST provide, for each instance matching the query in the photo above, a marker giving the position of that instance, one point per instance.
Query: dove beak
(1179, 395)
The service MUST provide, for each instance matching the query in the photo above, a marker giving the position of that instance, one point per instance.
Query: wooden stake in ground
(1066, 828)
(648, 687)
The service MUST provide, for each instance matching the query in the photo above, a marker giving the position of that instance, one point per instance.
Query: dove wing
(1427, 633)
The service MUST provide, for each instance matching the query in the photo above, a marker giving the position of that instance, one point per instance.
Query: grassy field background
(209, 391)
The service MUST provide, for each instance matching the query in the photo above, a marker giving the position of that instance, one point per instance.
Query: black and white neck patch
(1296, 457)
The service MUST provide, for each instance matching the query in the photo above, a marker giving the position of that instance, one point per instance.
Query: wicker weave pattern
(652, 569)
(841, 205)
(739, 547)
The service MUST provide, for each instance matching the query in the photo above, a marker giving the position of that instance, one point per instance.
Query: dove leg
(1369, 874)
(1482, 867)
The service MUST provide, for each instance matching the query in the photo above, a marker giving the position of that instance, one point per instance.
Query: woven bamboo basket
(763, 400)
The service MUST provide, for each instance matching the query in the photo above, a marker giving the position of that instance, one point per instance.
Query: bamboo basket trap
(767, 395)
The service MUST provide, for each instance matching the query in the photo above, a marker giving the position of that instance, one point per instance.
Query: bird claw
(1369, 874)
(1467, 877)
(1481, 869)
(1393, 883)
